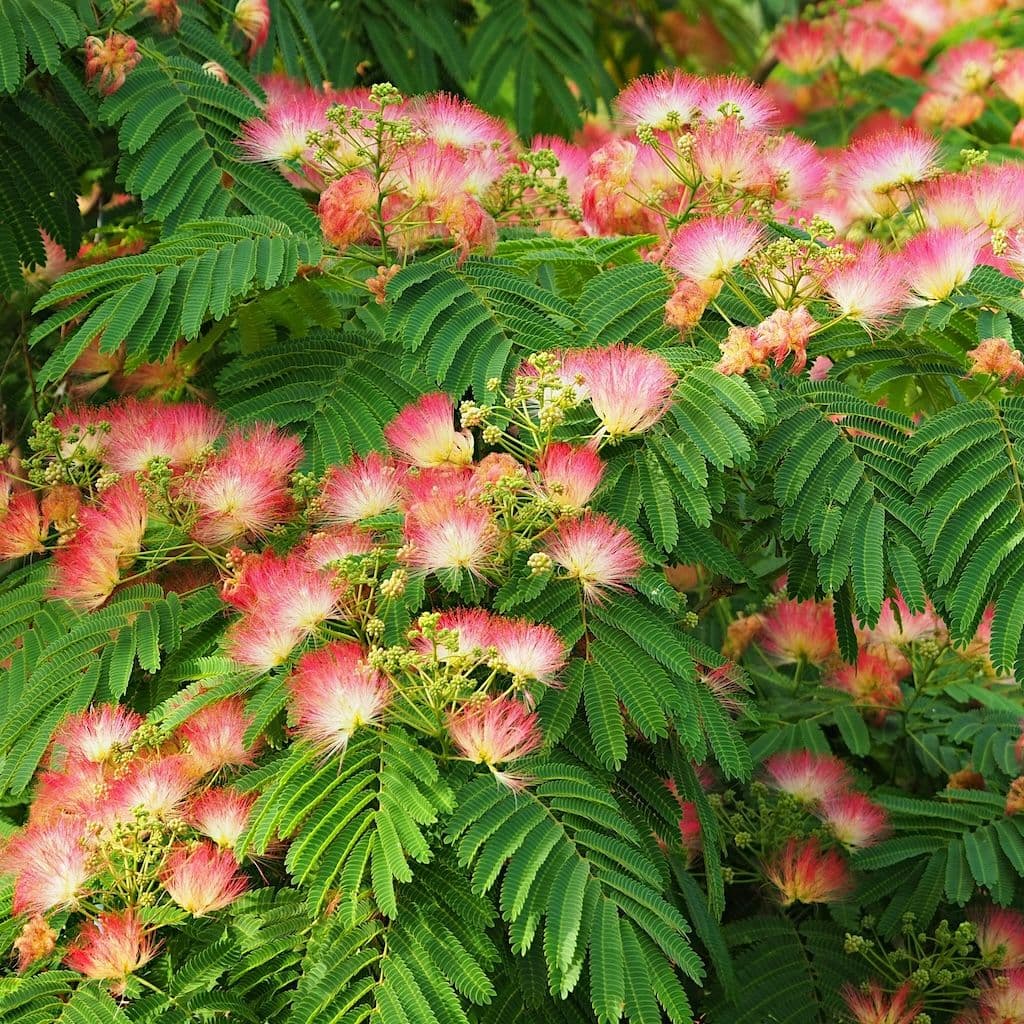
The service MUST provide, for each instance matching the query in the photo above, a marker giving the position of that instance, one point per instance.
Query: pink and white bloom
(528, 650)
(810, 777)
(362, 489)
(879, 173)
(424, 434)
(667, 100)
(474, 629)
(854, 820)
(731, 96)
(569, 476)
(97, 734)
(629, 388)
(110, 947)
(799, 630)
(252, 19)
(464, 538)
(596, 551)
(706, 249)
(215, 736)
(334, 692)
(938, 261)
(803, 872)
(203, 879)
(870, 288)
(804, 47)
(158, 787)
(451, 121)
(494, 731)
(221, 814)
(999, 936)
(876, 1006)
(50, 863)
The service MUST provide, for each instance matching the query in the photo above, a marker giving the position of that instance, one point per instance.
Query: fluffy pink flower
(798, 171)
(569, 475)
(878, 173)
(424, 433)
(876, 1006)
(281, 136)
(203, 879)
(158, 787)
(474, 630)
(140, 431)
(629, 388)
(216, 736)
(820, 368)
(804, 47)
(810, 777)
(262, 641)
(706, 249)
(22, 527)
(897, 628)
(463, 538)
(110, 59)
(854, 820)
(936, 262)
(997, 357)
(95, 735)
(999, 936)
(244, 490)
(221, 814)
(865, 41)
(794, 630)
(494, 732)
(50, 863)
(450, 121)
(803, 872)
(345, 207)
(328, 546)
(1001, 999)
(334, 692)
(870, 288)
(362, 489)
(729, 155)
(667, 100)
(252, 19)
(596, 551)
(108, 540)
(111, 947)
(731, 96)
(871, 683)
(78, 790)
(965, 68)
(1010, 75)
(528, 650)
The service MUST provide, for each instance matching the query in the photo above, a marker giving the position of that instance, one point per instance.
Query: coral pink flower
(166, 13)
(22, 527)
(203, 879)
(936, 262)
(897, 628)
(804, 47)
(331, 546)
(345, 207)
(262, 641)
(451, 121)
(866, 42)
(221, 814)
(664, 101)
(820, 368)
(854, 820)
(334, 692)
(810, 777)
(798, 171)
(474, 630)
(879, 172)
(731, 96)
(464, 538)
(964, 69)
(430, 494)
(244, 490)
(286, 587)
(706, 249)
(361, 489)
(111, 947)
(730, 156)
(1010, 75)
(158, 787)
(252, 19)
(610, 203)
(629, 388)
(876, 1006)
(596, 551)
(95, 735)
(786, 332)
(528, 650)
(494, 468)
(424, 433)
(997, 357)
(108, 539)
(871, 683)
(35, 941)
(690, 834)
(569, 475)
(997, 193)
(50, 863)
(1002, 997)
(77, 791)
(999, 936)
(799, 630)
(870, 288)
(803, 872)
(216, 736)
(111, 59)
(494, 731)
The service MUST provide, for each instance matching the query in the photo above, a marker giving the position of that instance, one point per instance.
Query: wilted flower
(35, 940)
(997, 357)
(252, 19)
(111, 59)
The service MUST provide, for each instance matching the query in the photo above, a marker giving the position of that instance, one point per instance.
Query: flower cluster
(125, 822)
